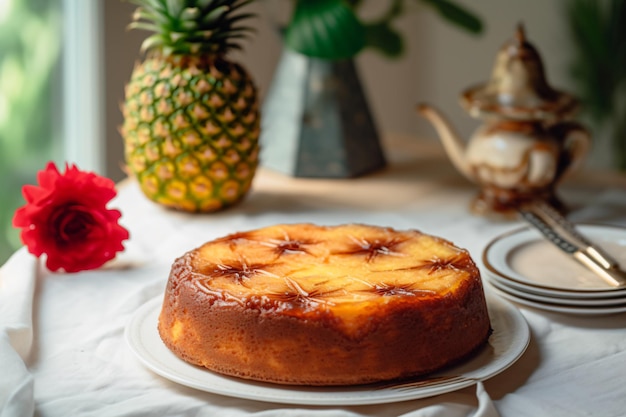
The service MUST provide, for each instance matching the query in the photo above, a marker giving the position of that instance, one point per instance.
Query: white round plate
(525, 260)
(557, 308)
(507, 343)
(511, 288)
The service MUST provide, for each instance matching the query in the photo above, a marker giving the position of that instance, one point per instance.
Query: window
(30, 111)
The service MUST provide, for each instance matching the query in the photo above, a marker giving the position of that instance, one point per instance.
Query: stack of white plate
(525, 268)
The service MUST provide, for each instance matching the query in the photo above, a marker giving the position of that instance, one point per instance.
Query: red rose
(66, 218)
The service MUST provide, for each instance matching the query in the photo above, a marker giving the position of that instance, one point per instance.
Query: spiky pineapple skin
(191, 131)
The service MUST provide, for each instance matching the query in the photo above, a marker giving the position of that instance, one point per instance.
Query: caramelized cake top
(303, 266)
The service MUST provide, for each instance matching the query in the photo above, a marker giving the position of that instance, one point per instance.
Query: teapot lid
(518, 88)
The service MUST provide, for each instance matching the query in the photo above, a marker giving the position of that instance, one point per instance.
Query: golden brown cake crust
(311, 305)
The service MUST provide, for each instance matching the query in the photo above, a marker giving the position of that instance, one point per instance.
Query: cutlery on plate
(563, 234)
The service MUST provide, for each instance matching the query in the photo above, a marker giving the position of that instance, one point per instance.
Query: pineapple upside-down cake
(313, 305)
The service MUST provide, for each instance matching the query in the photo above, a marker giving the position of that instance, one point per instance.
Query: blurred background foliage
(30, 104)
(333, 30)
(597, 29)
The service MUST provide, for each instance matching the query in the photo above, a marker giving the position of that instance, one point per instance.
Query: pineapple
(191, 116)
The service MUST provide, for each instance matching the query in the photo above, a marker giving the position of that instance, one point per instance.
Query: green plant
(598, 30)
(332, 29)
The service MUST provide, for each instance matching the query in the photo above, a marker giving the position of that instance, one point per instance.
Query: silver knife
(567, 228)
(553, 226)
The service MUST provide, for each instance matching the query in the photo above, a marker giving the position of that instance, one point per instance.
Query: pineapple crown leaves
(191, 27)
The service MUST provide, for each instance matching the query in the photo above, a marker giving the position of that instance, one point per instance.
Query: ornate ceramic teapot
(527, 141)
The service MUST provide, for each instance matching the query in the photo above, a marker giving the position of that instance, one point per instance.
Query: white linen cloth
(79, 363)
(17, 284)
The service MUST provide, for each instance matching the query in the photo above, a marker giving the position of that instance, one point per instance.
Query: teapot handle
(576, 142)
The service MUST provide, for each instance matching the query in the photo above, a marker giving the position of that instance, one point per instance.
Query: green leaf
(599, 55)
(384, 39)
(457, 15)
(598, 33)
(190, 13)
(175, 7)
(150, 16)
(326, 29)
(215, 15)
(152, 42)
(144, 26)
(381, 36)
(203, 3)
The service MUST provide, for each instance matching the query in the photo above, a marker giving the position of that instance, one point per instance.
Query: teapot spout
(452, 143)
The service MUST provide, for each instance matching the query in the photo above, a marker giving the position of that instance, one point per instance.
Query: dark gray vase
(316, 121)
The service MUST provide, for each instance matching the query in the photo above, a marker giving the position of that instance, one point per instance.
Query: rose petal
(66, 218)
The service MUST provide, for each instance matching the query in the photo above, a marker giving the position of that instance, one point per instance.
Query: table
(80, 365)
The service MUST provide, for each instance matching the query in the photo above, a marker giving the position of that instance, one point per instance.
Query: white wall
(439, 63)
(442, 60)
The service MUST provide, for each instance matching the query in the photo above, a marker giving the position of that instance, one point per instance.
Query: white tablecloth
(62, 347)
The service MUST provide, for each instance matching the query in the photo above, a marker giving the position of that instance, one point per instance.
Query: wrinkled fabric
(17, 286)
(79, 364)
(83, 367)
